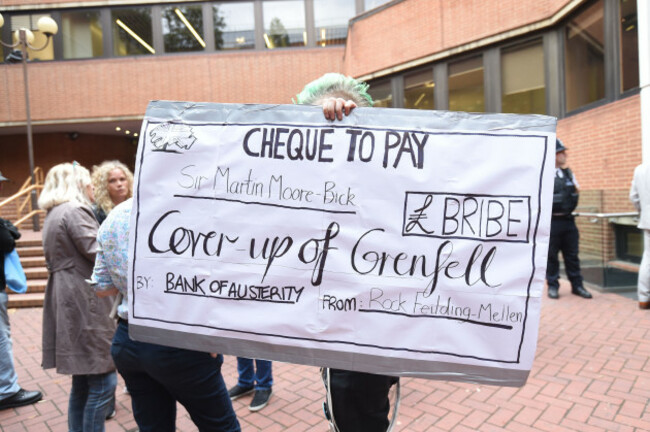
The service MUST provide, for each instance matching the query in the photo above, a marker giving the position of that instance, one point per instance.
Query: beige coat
(640, 194)
(77, 331)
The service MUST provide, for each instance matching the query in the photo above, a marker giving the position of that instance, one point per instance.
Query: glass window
(522, 79)
(284, 23)
(132, 33)
(629, 45)
(418, 90)
(584, 57)
(40, 40)
(466, 91)
(182, 28)
(629, 243)
(382, 94)
(234, 25)
(369, 4)
(82, 34)
(331, 18)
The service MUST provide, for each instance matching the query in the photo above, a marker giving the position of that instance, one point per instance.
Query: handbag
(14, 273)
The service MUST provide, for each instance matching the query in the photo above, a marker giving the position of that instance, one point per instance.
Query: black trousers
(360, 400)
(565, 238)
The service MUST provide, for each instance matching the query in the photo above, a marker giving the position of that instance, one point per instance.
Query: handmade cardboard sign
(395, 241)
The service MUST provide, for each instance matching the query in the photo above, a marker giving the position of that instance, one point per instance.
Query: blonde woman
(113, 183)
(77, 331)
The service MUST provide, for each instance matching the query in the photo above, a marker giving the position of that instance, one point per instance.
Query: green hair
(337, 85)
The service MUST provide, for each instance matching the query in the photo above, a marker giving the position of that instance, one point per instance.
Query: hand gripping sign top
(401, 242)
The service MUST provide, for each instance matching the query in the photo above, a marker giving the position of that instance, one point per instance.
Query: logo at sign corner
(172, 138)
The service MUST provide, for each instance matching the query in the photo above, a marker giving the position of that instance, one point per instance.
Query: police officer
(564, 232)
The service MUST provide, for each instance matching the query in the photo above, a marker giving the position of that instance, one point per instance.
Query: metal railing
(606, 215)
(25, 208)
(601, 266)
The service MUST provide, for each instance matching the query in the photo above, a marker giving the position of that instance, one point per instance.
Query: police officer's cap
(559, 147)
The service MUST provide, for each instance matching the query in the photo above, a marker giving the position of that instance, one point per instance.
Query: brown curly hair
(100, 183)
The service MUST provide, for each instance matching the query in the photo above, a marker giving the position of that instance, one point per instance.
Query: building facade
(577, 60)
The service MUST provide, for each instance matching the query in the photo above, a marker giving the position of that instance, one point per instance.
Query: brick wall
(596, 234)
(123, 87)
(412, 29)
(88, 3)
(604, 147)
(26, 2)
(597, 239)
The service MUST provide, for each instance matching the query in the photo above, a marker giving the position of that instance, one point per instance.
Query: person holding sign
(157, 376)
(564, 232)
(356, 401)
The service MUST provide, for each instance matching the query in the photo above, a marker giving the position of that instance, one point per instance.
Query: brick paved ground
(591, 373)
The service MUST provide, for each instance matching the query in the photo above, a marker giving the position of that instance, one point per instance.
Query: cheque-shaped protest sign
(399, 242)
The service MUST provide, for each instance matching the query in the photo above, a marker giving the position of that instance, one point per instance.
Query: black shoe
(111, 415)
(553, 293)
(238, 391)
(580, 291)
(20, 398)
(260, 400)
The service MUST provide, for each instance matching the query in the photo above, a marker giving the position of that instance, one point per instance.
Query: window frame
(421, 70)
(467, 56)
(553, 43)
(553, 40)
(529, 40)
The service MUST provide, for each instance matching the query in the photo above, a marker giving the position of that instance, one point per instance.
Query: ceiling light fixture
(189, 27)
(117, 128)
(135, 36)
(269, 45)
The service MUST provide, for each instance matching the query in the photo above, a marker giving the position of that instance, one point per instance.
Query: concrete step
(30, 251)
(21, 243)
(35, 273)
(8, 211)
(25, 300)
(36, 285)
(35, 261)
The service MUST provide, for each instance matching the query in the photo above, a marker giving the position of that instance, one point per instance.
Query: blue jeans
(8, 379)
(90, 398)
(261, 375)
(157, 376)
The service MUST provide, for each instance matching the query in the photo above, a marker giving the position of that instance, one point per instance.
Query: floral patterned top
(112, 261)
